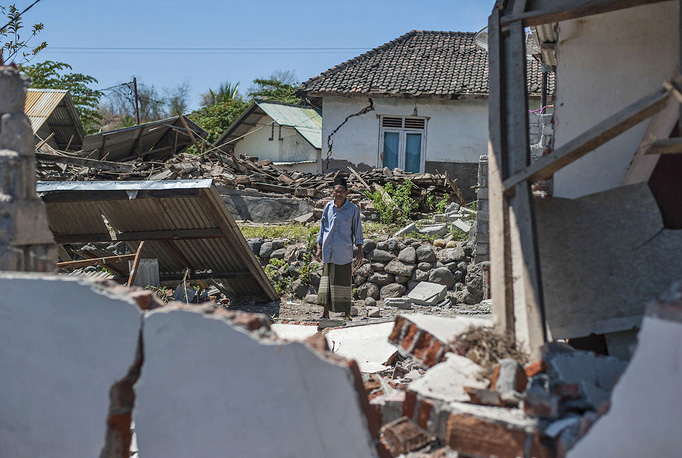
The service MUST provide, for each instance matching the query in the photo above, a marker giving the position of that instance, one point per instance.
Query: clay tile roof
(419, 63)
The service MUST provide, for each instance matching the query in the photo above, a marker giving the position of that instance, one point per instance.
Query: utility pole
(137, 105)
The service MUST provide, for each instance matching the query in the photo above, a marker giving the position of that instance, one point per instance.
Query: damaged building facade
(418, 103)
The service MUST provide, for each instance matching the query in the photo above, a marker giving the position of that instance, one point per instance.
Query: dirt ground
(297, 310)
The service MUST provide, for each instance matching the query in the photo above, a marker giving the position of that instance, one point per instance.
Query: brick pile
(538, 409)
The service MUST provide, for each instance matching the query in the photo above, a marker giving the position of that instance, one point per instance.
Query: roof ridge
(363, 56)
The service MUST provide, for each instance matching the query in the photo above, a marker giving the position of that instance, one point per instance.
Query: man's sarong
(335, 287)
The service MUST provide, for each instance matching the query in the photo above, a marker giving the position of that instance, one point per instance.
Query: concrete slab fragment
(426, 293)
(446, 381)
(63, 347)
(646, 409)
(230, 399)
(466, 227)
(368, 345)
(601, 274)
(399, 302)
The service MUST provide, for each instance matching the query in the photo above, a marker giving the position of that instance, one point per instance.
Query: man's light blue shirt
(340, 230)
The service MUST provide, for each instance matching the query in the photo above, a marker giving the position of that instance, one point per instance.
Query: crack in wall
(330, 140)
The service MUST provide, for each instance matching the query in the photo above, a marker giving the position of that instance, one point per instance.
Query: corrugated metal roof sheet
(184, 224)
(306, 120)
(55, 108)
(153, 140)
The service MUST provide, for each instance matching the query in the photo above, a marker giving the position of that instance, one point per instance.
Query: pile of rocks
(392, 267)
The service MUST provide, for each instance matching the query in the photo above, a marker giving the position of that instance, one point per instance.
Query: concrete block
(509, 375)
(434, 231)
(458, 223)
(225, 400)
(446, 381)
(409, 229)
(398, 302)
(426, 293)
(65, 343)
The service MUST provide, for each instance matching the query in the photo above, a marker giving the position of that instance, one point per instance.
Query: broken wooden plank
(664, 146)
(189, 132)
(549, 11)
(95, 261)
(305, 192)
(286, 179)
(239, 275)
(136, 264)
(357, 175)
(592, 138)
(660, 127)
(82, 162)
(455, 189)
(182, 234)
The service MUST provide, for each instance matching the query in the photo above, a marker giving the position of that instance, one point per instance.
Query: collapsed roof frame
(184, 224)
(516, 280)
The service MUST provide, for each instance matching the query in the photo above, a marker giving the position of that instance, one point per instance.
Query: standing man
(340, 229)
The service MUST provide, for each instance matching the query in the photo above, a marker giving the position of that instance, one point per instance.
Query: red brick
(422, 346)
(425, 408)
(373, 424)
(480, 437)
(250, 321)
(432, 355)
(317, 342)
(410, 404)
(535, 368)
(397, 329)
(403, 436)
(410, 335)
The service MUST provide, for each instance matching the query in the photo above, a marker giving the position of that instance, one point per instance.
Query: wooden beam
(237, 275)
(357, 175)
(136, 264)
(665, 146)
(81, 162)
(517, 285)
(592, 138)
(95, 261)
(180, 234)
(189, 132)
(660, 127)
(548, 11)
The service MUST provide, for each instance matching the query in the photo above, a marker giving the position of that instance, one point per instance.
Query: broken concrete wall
(598, 258)
(70, 357)
(26, 242)
(605, 63)
(260, 207)
(646, 409)
(482, 252)
(229, 393)
(64, 345)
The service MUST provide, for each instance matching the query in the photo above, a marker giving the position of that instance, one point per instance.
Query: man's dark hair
(341, 181)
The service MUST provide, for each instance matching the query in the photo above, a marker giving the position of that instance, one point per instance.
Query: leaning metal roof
(306, 120)
(184, 224)
(55, 108)
(153, 140)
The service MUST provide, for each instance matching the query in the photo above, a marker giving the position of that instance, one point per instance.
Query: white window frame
(402, 131)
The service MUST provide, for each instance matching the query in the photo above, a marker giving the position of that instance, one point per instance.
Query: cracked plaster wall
(69, 356)
(605, 63)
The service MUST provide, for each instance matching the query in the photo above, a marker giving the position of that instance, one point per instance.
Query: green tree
(12, 46)
(280, 86)
(58, 75)
(226, 92)
(215, 119)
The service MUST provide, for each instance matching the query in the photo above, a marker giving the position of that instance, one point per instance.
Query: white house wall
(606, 62)
(456, 132)
(293, 147)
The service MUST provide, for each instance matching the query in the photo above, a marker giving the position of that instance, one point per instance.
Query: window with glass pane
(403, 142)
(413, 152)
(391, 149)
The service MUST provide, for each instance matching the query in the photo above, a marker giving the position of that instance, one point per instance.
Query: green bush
(398, 207)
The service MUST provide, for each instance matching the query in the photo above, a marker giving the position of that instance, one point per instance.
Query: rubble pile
(240, 172)
(516, 409)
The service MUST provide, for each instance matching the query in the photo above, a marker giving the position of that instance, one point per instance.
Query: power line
(18, 17)
(153, 48)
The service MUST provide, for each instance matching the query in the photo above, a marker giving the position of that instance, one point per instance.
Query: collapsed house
(290, 136)
(418, 103)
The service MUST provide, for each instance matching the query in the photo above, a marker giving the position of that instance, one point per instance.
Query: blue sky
(354, 25)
